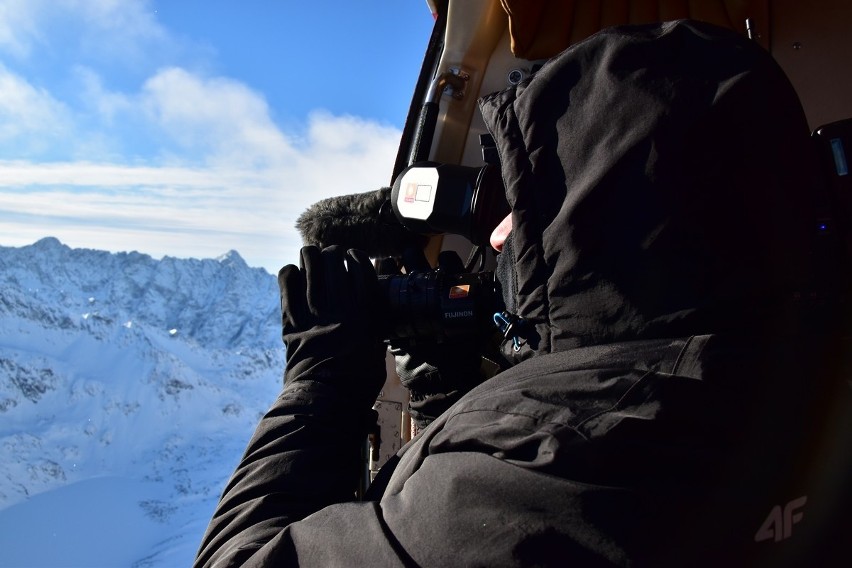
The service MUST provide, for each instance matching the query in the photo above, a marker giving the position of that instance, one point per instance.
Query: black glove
(328, 309)
(436, 374)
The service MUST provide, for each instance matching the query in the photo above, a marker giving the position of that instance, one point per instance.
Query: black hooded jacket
(662, 184)
(673, 403)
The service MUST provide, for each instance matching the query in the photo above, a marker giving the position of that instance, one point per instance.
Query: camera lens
(437, 306)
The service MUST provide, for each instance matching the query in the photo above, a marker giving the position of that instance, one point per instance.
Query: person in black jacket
(672, 393)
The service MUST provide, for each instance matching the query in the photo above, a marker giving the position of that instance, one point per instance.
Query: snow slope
(129, 387)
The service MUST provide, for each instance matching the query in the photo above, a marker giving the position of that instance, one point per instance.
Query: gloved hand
(328, 309)
(436, 374)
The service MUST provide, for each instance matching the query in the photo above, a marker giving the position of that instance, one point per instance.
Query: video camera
(430, 198)
(436, 306)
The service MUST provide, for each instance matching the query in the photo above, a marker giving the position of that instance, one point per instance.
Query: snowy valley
(129, 387)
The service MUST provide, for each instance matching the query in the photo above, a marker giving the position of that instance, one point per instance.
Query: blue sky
(189, 128)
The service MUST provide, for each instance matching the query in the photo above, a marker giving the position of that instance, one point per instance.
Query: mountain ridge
(151, 373)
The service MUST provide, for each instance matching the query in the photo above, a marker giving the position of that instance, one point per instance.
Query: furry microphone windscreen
(357, 221)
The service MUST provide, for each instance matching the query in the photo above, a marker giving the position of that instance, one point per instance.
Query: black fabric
(436, 374)
(659, 453)
(299, 461)
(329, 321)
(506, 277)
(661, 183)
(652, 453)
(668, 407)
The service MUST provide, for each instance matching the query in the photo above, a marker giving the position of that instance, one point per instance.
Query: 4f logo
(779, 524)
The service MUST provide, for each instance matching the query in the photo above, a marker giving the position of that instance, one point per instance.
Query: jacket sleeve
(304, 456)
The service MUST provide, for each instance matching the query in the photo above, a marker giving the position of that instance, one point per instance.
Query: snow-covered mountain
(129, 387)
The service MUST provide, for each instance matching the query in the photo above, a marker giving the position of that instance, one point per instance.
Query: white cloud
(18, 27)
(130, 19)
(220, 117)
(195, 211)
(98, 99)
(117, 30)
(347, 154)
(215, 171)
(30, 118)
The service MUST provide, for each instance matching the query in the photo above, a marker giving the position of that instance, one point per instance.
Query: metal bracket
(458, 85)
(453, 82)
